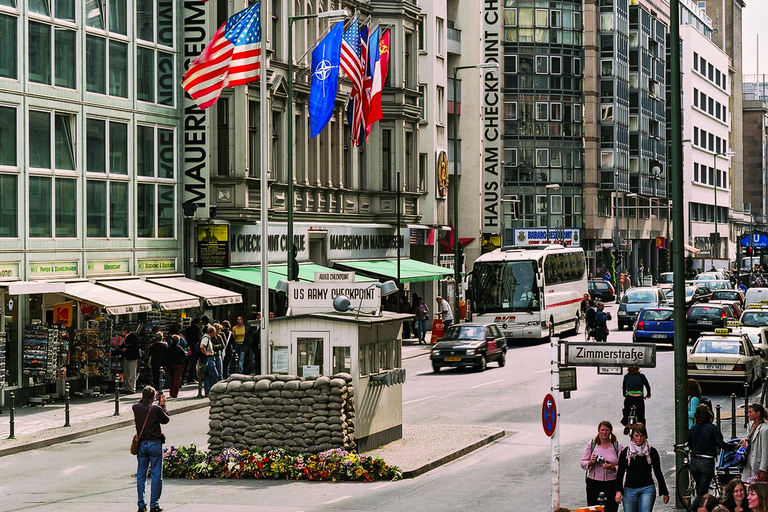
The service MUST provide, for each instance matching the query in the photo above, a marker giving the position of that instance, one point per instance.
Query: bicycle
(685, 485)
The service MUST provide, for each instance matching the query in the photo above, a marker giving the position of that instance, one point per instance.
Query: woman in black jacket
(704, 439)
(639, 463)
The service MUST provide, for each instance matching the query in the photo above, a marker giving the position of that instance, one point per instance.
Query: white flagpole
(265, 132)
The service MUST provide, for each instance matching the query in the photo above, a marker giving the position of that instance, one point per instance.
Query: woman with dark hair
(757, 446)
(694, 394)
(706, 504)
(757, 497)
(600, 459)
(736, 496)
(639, 463)
(634, 402)
(703, 440)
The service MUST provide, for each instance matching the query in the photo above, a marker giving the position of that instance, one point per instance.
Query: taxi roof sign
(733, 323)
(722, 331)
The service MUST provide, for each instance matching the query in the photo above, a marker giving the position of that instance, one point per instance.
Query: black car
(601, 289)
(694, 293)
(472, 345)
(706, 318)
(636, 299)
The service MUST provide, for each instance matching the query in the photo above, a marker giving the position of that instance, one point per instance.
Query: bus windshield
(504, 286)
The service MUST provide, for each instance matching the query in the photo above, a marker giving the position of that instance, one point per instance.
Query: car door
(661, 299)
(501, 341)
(753, 360)
(491, 346)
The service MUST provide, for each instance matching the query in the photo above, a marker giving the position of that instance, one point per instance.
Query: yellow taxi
(725, 356)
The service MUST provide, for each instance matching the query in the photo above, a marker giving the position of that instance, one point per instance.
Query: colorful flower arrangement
(335, 465)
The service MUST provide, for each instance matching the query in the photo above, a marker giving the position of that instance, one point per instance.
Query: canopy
(167, 299)
(213, 295)
(252, 275)
(691, 249)
(113, 301)
(411, 271)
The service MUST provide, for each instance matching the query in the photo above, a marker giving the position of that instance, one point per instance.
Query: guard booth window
(342, 360)
(310, 356)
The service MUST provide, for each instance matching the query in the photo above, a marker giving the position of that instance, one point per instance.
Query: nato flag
(325, 78)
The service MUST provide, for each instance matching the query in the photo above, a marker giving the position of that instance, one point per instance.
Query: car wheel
(482, 365)
(502, 359)
(634, 338)
(435, 368)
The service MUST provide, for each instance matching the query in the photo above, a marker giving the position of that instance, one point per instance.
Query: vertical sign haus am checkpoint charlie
(491, 116)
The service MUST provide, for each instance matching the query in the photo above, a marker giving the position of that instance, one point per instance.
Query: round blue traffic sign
(549, 415)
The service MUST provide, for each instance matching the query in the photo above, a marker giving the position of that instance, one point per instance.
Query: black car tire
(482, 365)
(503, 359)
(435, 368)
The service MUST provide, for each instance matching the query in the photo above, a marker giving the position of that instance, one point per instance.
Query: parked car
(636, 299)
(725, 357)
(706, 317)
(655, 325)
(666, 279)
(601, 289)
(472, 345)
(693, 294)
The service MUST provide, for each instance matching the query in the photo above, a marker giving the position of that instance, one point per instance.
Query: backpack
(592, 449)
(590, 317)
(708, 402)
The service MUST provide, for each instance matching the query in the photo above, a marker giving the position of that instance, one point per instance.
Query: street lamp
(716, 242)
(334, 16)
(551, 186)
(457, 249)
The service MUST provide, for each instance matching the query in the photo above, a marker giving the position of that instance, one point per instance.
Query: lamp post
(341, 13)
(716, 242)
(457, 250)
(551, 186)
(629, 238)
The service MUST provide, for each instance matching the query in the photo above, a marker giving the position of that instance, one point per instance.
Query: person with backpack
(694, 399)
(600, 460)
(634, 402)
(704, 439)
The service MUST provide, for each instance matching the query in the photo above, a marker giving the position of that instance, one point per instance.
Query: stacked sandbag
(296, 414)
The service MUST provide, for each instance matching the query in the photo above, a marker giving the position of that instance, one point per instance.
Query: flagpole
(264, 189)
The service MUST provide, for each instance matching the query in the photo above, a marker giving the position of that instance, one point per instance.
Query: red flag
(384, 55)
(374, 72)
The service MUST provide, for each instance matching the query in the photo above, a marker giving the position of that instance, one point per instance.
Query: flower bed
(331, 466)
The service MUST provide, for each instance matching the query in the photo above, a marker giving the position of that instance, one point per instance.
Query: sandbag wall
(297, 414)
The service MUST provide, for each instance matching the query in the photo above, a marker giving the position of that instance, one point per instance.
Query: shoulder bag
(137, 437)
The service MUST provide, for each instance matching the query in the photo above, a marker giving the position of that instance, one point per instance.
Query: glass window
(65, 145)
(145, 151)
(8, 46)
(96, 64)
(9, 201)
(96, 200)
(556, 111)
(39, 53)
(542, 111)
(165, 211)
(165, 81)
(145, 210)
(555, 19)
(65, 9)
(145, 20)
(165, 22)
(65, 58)
(118, 209)
(542, 157)
(39, 139)
(165, 154)
(118, 15)
(94, 16)
(66, 208)
(145, 74)
(542, 66)
(95, 147)
(555, 64)
(342, 360)
(606, 22)
(118, 69)
(606, 67)
(510, 17)
(8, 147)
(118, 148)
(40, 204)
(309, 353)
(525, 19)
(39, 7)
(542, 18)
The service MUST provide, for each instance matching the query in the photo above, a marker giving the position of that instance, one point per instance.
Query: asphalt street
(97, 473)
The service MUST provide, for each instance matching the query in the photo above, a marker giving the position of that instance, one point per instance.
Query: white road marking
(342, 498)
(486, 383)
(542, 371)
(72, 470)
(418, 400)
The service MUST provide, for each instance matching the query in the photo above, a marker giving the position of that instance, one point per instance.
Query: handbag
(137, 437)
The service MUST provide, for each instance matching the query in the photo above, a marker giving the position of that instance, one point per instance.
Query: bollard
(66, 405)
(11, 397)
(162, 380)
(733, 415)
(117, 396)
(717, 417)
(746, 404)
(602, 500)
(200, 380)
(237, 360)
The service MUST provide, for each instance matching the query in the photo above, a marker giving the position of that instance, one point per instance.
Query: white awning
(32, 287)
(114, 302)
(213, 295)
(167, 299)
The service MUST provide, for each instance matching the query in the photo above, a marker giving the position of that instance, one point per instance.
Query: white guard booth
(316, 339)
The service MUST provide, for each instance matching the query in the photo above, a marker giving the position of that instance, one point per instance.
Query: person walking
(157, 354)
(131, 354)
(600, 460)
(444, 312)
(193, 335)
(634, 401)
(148, 418)
(174, 363)
(229, 347)
(638, 464)
(704, 439)
(239, 331)
(207, 361)
(757, 446)
(422, 317)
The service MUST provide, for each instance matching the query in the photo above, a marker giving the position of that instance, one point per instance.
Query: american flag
(353, 65)
(231, 58)
(366, 80)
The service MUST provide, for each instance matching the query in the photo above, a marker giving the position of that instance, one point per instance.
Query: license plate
(660, 336)
(452, 359)
(714, 367)
(623, 313)
(704, 322)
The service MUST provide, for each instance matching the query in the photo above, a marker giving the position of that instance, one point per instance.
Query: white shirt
(445, 310)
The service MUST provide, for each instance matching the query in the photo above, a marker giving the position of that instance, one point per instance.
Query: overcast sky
(755, 16)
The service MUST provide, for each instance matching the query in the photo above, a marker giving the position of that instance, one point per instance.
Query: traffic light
(618, 260)
(294, 262)
(460, 250)
(750, 251)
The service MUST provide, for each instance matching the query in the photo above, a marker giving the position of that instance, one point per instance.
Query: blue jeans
(247, 360)
(211, 376)
(639, 499)
(150, 456)
(447, 323)
(702, 471)
(421, 326)
(219, 365)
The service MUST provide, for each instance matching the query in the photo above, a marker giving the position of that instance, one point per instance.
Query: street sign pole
(555, 438)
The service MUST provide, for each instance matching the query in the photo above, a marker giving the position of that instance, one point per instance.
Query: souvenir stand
(45, 353)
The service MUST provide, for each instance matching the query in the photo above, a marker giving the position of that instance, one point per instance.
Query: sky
(755, 15)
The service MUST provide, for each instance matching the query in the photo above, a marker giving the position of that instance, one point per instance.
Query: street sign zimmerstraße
(610, 354)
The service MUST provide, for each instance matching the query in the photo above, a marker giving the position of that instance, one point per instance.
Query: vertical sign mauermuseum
(196, 131)
(491, 116)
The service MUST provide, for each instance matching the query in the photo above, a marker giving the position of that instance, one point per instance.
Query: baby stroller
(727, 469)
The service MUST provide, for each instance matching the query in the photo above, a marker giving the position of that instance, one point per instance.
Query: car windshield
(705, 312)
(657, 315)
(725, 295)
(665, 278)
(464, 332)
(713, 346)
(639, 297)
(505, 286)
(754, 318)
(714, 285)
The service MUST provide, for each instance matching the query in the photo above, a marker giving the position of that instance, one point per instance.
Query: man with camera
(148, 417)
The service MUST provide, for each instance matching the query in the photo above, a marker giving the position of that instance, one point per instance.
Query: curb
(64, 438)
(453, 456)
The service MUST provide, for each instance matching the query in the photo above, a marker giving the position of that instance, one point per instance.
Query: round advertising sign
(549, 415)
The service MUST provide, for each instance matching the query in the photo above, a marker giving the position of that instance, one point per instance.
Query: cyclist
(634, 402)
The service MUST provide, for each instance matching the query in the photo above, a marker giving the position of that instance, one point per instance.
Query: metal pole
(746, 404)
(66, 404)
(733, 415)
(289, 162)
(117, 396)
(456, 240)
(715, 253)
(12, 434)
(200, 375)
(397, 238)
(717, 417)
(264, 111)
(555, 439)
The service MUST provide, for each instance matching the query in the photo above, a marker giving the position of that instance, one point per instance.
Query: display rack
(34, 361)
(88, 353)
(3, 338)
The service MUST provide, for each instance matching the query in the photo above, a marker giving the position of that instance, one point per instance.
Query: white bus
(529, 293)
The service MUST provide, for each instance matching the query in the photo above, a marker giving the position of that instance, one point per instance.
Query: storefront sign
(334, 277)
(527, 237)
(54, 269)
(9, 270)
(108, 267)
(351, 243)
(213, 246)
(157, 266)
(304, 298)
(245, 243)
(491, 115)
(62, 314)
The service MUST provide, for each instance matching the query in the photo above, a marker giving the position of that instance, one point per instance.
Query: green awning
(252, 275)
(411, 271)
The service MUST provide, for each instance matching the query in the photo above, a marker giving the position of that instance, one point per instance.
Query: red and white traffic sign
(549, 415)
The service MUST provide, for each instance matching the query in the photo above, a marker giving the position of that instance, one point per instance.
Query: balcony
(454, 39)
